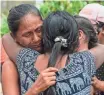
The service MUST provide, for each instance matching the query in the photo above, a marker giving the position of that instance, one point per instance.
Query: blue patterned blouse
(73, 79)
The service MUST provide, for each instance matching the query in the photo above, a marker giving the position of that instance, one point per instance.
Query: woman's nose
(35, 38)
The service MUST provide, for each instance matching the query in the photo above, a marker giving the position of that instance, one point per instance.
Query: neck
(83, 47)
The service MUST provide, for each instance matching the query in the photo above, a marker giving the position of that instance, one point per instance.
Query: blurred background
(45, 7)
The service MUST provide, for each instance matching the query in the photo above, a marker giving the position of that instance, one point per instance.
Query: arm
(98, 53)
(46, 79)
(4, 55)
(11, 47)
(10, 81)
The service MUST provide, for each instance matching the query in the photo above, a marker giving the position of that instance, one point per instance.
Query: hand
(98, 84)
(46, 79)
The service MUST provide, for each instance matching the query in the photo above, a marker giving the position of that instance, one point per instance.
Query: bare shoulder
(98, 53)
(99, 48)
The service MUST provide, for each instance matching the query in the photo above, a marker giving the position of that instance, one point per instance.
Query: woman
(41, 57)
(61, 39)
(96, 16)
(25, 23)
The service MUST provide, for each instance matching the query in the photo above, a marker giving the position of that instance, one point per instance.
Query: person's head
(88, 33)
(25, 24)
(95, 13)
(60, 34)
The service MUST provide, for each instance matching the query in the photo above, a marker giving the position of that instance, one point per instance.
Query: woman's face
(29, 32)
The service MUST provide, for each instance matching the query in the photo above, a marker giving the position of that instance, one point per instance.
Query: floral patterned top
(73, 79)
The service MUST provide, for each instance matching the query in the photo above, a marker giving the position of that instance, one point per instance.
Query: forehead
(29, 22)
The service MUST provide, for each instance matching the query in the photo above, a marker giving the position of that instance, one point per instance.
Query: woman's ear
(81, 34)
(82, 37)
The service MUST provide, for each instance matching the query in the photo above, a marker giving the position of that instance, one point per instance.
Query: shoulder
(26, 58)
(84, 54)
(82, 58)
(27, 53)
(6, 37)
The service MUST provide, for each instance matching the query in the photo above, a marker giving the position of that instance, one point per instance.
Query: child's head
(60, 25)
(60, 35)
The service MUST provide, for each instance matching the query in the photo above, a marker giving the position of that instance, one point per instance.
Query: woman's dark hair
(59, 24)
(99, 26)
(17, 13)
(59, 27)
(85, 25)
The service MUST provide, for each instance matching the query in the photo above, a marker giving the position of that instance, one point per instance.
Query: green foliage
(72, 7)
(4, 26)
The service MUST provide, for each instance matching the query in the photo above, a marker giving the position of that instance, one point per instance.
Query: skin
(45, 57)
(28, 35)
(29, 32)
(98, 84)
(11, 77)
(35, 89)
(101, 36)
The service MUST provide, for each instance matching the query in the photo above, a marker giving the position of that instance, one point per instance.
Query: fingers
(94, 81)
(51, 69)
(49, 74)
(46, 79)
(94, 78)
(52, 78)
(50, 81)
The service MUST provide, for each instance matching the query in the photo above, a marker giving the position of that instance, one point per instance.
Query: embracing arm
(10, 46)
(98, 53)
(10, 80)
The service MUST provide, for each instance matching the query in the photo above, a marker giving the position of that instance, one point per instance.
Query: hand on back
(46, 79)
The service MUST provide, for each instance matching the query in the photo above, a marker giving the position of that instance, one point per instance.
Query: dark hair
(59, 24)
(17, 13)
(85, 25)
(99, 26)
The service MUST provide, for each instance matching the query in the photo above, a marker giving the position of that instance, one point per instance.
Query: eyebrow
(39, 26)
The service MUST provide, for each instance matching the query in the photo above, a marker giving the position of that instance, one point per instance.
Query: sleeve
(89, 62)
(92, 64)
(27, 72)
